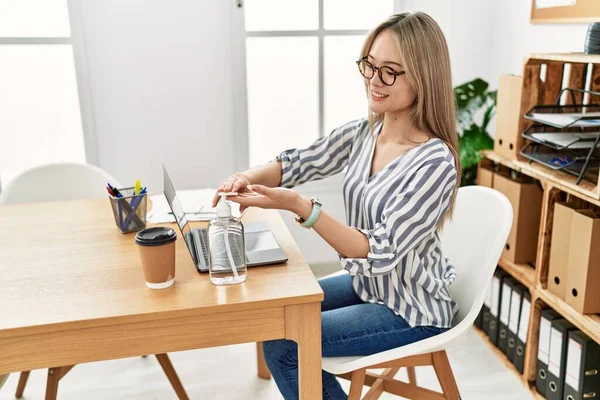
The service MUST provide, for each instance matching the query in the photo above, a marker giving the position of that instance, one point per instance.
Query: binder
(479, 320)
(514, 318)
(505, 294)
(521, 339)
(557, 361)
(582, 377)
(487, 303)
(541, 376)
(495, 305)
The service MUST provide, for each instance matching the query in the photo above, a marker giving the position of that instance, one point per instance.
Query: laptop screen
(177, 210)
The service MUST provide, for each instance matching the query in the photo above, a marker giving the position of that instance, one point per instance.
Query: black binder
(559, 337)
(582, 377)
(521, 338)
(505, 294)
(495, 305)
(514, 318)
(541, 377)
(485, 310)
(479, 320)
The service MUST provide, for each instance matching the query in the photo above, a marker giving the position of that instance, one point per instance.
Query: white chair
(473, 241)
(67, 181)
(60, 181)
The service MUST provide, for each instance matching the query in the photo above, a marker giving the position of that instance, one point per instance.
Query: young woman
(398, 189)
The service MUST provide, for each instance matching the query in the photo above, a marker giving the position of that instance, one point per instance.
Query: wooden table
(72, 291)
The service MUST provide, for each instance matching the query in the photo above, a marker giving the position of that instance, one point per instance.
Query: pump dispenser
(227, 249)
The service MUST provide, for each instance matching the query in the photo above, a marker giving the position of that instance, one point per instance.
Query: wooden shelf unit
(535, 279)
(542, 81)
(524, 273)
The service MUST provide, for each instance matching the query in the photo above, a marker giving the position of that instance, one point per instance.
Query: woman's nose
(376, 79)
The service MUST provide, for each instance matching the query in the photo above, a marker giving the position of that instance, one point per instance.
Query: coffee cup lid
(155, 236)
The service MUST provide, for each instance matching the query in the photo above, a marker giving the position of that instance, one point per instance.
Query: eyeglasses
(386, 74)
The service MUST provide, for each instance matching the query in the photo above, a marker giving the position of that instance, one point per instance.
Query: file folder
(582, 377)
(519, 353)
(557, 361)
(479, 320)
(495, 306)
(541, 377)
(485, 311)
(514, 318)
(505, 294)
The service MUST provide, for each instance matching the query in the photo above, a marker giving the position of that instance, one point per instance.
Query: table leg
(263, 369)
(303, 325)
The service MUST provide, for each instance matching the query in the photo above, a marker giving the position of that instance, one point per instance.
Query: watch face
(316, 201)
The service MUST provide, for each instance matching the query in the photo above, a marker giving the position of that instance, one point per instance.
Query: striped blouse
(398, 209)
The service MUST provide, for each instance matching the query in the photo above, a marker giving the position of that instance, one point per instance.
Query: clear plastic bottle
(227, 249)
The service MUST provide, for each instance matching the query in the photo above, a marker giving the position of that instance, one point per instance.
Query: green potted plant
(475, 107)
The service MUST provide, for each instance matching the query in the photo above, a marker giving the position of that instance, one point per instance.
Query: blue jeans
(350, 327)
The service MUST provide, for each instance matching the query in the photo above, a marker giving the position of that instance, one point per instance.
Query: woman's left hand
(266, 197)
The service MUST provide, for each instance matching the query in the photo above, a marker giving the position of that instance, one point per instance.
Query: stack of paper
(195, 203)
(567, 119)
(567, 139)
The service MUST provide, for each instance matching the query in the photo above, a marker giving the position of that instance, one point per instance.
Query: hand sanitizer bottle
(227, 261)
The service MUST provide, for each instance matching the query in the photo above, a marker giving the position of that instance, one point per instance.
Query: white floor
(230, 373)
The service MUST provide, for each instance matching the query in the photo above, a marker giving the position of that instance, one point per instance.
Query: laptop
(261, 246)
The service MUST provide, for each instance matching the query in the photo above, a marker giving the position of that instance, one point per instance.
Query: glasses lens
(366, 69)
(388, 75)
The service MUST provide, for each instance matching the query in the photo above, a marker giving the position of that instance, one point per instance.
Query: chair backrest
(473, 241)
(53, 182)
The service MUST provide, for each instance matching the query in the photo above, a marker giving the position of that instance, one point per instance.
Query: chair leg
(443, 370)
(412, 375)
(263, 369)
(52, 383)
(378, 387)
(166, 365)
(22, 382)
(356, 384)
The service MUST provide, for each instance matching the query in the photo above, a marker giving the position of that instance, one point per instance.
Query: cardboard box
(526, 200)
(559, 248)
(583, 273)
(485, 176)
(508, 142)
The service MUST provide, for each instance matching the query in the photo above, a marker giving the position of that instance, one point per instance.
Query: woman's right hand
(235, 183)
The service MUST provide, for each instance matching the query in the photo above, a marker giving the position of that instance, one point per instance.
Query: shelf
(524, 273)
(567, 57)
(559, 179)
(589, 324)
(504, 359)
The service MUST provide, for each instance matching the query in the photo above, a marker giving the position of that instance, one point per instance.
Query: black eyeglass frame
(388, 70)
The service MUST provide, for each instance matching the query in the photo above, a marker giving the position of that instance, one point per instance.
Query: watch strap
(314, 214)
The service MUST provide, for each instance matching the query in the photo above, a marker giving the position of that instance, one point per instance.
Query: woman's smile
(376, 96)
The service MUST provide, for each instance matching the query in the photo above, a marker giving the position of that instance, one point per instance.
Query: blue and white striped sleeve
(407, 219)
(325, 157)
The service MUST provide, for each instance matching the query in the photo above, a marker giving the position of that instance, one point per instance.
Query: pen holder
(130, 210)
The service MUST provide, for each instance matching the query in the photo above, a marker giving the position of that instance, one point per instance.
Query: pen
(116, 193)
(137, 187)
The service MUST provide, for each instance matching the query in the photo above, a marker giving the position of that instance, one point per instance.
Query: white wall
(515, 37)
(467, 26)
(161, 89)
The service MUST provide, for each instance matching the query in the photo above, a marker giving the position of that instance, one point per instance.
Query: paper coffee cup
(157, 252)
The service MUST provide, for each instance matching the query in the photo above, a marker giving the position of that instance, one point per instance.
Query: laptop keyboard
(200, 245)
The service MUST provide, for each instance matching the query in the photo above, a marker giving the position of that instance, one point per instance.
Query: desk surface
(65, 265)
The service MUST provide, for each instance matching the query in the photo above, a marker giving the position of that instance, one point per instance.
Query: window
(301, 78)
(40, 121)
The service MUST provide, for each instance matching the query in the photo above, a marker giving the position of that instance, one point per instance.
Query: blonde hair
(425, 57)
